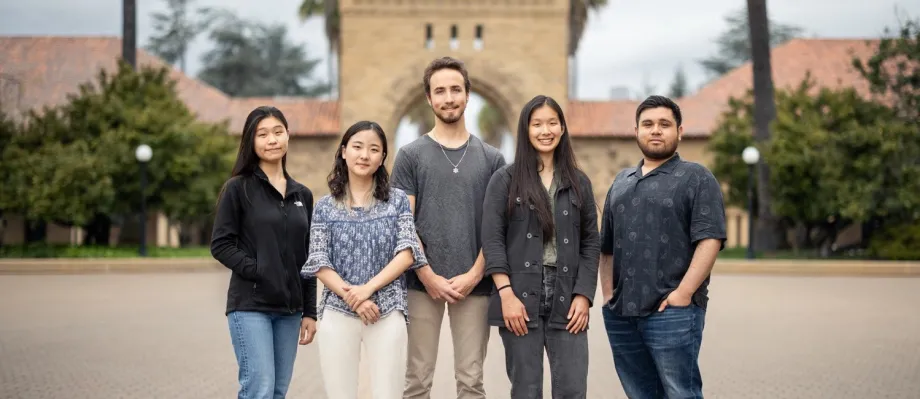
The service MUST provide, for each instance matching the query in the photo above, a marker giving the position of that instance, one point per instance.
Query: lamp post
(751, 156)
(143, 153)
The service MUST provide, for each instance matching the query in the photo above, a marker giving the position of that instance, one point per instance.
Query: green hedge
(67, 251)
(899, 242)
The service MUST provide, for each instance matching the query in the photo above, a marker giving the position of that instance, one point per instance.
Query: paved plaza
(165, 336)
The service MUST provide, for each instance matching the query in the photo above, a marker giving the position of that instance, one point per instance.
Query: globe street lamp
(143, 153)
(751, 156)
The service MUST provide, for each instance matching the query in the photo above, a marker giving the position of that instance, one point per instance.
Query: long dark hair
(338, 178)
(246, 158)
(525, 172)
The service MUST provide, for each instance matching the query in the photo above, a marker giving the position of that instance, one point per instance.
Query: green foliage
(76, 162)
(897, 242)
(491, 123)
(835, 159)
(894, 70)
(679, 86)
(66, 251)
(252, 59)
(735, 44)
(727, 142)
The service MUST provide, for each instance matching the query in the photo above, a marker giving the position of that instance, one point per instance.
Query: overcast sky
(626, 44)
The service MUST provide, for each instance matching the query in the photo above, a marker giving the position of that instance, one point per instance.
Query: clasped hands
(358, 299)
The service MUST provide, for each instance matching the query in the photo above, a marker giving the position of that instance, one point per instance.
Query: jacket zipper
(287, 280)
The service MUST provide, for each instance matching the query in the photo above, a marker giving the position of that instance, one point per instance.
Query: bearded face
(658, 133)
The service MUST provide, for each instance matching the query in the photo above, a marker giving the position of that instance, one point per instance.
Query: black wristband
(503, 287)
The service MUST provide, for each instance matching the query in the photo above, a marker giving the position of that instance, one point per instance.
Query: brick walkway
(165, 336)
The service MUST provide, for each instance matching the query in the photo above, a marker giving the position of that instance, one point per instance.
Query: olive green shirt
(549, 249)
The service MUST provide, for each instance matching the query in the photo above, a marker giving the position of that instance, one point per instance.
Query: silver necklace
(456, 167)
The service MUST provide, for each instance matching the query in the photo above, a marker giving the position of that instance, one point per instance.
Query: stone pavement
(165, 336)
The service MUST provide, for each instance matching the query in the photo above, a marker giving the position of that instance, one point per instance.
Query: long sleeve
(586, 280)
(495, 225)
(226, 233)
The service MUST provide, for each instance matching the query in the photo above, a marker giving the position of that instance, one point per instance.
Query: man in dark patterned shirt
(663, 225)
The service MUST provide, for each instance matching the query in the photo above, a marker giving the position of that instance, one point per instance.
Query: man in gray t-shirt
(445, 174)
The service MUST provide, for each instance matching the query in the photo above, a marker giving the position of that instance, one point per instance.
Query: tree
(769, 231)
(251, 59)
(74, 164)
(679, 86)
(735, 45)
(176, 28)
(894, 69)
(836, 159)
(333, 28)
(491, 123)
(578, 20)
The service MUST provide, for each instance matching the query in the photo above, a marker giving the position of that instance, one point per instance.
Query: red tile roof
(829, 60)
(48, 68)
(305, 116)
(38, 71)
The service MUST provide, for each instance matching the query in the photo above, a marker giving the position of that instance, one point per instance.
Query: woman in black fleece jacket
(261, 233)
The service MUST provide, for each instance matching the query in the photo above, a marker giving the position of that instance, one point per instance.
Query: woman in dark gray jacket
(541, 245)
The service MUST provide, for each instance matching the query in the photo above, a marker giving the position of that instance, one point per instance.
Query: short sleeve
(404, 172)
(707, 218)
(319, 242)
(607, 224)
(405, 233)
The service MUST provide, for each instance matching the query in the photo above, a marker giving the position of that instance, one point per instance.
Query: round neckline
(446, 148)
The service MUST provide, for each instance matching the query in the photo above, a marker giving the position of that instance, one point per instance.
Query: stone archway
(413, 92)
(512, 50)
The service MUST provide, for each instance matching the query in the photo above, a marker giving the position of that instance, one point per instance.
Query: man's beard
(450, 120)
(657, 154)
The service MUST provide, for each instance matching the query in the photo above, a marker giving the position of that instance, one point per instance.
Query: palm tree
(330, 12)
(769, 232)
(578, 20)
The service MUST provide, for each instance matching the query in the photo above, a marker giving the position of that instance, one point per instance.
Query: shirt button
(518, 199)
(531, 207)
(562, 299)
(524, 295)
(526, 264)
(565, 240)
(529, 235)
(565, 212)
(565, 269)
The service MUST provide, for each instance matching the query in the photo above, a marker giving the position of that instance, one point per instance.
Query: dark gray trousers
(567, 352)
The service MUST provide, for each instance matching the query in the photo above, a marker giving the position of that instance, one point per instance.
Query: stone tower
(513, 49)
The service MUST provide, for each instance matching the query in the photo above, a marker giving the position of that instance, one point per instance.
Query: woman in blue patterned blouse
(362, 241)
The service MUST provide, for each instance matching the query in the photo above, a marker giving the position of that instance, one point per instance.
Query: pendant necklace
(457, 165)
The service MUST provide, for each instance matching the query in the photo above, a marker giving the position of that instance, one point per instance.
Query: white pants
(385, 343)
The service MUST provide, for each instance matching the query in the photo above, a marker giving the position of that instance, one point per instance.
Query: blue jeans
(657, 356)
(265, 345)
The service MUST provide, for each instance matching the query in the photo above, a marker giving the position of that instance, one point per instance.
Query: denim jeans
(657, 356)
(568, 361)
(265, 345)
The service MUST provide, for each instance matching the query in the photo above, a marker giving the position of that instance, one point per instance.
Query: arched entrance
(512, 51)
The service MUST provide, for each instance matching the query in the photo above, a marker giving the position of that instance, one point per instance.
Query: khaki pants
(469, 329)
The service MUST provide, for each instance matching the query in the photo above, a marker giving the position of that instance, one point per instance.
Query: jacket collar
(292, 185)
